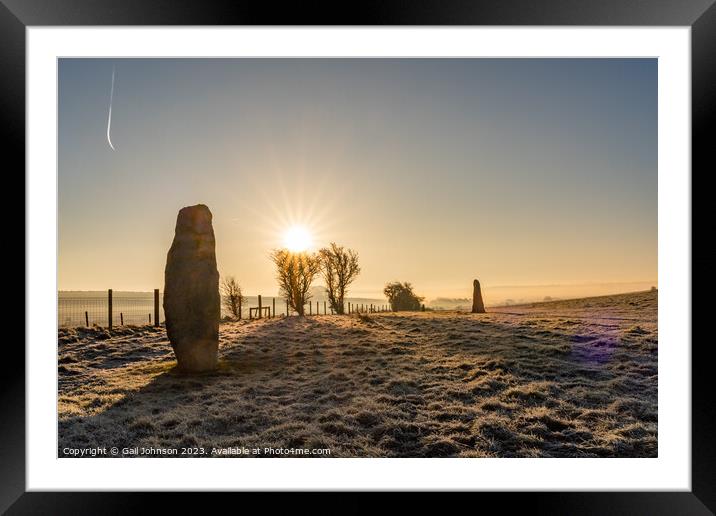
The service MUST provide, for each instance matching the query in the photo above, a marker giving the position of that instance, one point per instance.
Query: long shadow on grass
(392, 386)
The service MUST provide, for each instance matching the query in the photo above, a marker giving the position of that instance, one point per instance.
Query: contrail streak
(109, 118)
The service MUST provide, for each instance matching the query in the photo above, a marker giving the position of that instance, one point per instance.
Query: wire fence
(140, 308)
(90, 310)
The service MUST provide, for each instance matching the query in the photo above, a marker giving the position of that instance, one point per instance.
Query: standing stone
(478, 306)
(191, 291)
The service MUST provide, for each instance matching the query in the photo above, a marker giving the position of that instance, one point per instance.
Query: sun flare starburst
(297, 239)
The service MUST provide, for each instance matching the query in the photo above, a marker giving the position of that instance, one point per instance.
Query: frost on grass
(559, 379)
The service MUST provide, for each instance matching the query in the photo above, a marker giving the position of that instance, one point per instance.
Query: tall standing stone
(478, 307)
(191, 291)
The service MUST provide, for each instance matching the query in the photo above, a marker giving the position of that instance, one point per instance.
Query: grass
(559, 379)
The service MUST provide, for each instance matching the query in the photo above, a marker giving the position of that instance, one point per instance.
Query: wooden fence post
(86, 319)
(156, 307)
(318, 310)
(324, 308)
(273, 308)
(109, 308)
(287, 313)
(259, 306)
(150, 318)
(310, 308)
(121, 319)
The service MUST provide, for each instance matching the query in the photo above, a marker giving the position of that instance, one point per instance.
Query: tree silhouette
(401, 296)
(339, 267)
(295, 272)
(233, 298)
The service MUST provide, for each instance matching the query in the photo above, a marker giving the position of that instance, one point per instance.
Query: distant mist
(513, 295)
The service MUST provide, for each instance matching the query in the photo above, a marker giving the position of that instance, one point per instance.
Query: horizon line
(484, 286)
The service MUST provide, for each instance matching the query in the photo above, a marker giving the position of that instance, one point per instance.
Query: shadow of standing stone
(478, 307)
(191, 291)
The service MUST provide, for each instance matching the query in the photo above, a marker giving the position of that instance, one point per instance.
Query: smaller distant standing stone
(478, 307)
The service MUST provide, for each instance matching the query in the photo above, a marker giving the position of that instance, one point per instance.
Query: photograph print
(357, 257)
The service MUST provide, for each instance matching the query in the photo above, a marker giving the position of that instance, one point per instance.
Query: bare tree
(232, 298)
(339, 267)
(295, 272)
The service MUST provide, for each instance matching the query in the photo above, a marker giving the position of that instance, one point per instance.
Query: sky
(536, 175)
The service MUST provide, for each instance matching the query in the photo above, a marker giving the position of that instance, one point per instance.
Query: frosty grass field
(571, 378)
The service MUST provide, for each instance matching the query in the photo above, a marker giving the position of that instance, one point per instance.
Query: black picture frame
(700, 15)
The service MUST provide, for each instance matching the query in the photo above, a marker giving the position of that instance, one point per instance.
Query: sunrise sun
(297, 239)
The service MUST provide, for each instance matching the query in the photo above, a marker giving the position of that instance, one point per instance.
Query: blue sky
(515, 171)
